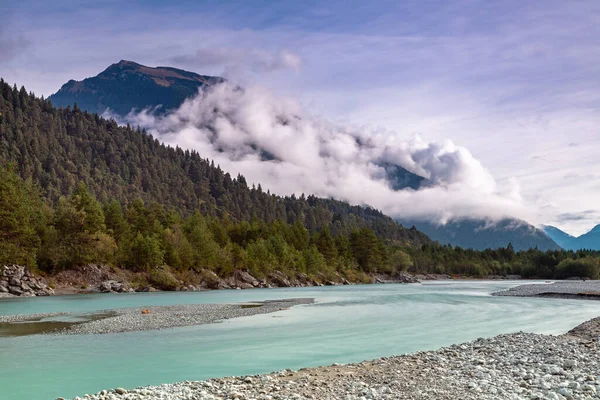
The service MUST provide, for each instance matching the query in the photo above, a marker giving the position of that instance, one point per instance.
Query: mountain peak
(127, 86)
(590, 240)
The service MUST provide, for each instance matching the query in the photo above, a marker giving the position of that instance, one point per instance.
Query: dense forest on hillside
(78, 189)
(141, 237)
(150, 238)
(59, 148)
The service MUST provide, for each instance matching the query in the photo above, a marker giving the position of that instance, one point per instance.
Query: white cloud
(237, 127)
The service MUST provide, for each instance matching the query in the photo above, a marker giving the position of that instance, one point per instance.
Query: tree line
(79, 230)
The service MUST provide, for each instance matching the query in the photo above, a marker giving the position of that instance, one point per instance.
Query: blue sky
(517, 83)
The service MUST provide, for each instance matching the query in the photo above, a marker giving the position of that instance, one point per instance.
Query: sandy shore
(141, 319)
(514, 366)
(588, 290)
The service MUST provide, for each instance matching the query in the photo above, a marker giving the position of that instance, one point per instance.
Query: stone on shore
(19, 281)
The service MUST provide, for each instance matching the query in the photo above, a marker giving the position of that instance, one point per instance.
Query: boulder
(279, 279)
(111, 286)
(105, 287)
(117, 287)
(407, 278)
(245, 277)
(16, 290)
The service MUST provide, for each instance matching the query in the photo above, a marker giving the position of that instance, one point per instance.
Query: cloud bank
(273, 141)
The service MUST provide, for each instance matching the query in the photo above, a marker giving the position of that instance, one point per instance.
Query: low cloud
(240, 59)
(273, 141)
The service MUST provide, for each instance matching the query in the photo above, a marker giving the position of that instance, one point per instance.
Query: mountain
(127, 85)
(120, 86)
(589, 241)
(58, 148)
(480, 234)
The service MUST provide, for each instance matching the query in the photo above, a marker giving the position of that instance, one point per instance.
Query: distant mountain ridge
(479, 234)
(127, 85)
(588, 241)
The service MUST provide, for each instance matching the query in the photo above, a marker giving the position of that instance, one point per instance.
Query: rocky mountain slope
(127, 85)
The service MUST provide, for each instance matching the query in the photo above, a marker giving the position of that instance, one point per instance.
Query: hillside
(589, 240)
(127, 85)
(78, 189)
(480, 234)
(58, 148)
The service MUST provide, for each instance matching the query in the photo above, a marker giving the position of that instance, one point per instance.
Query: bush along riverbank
(514, 366)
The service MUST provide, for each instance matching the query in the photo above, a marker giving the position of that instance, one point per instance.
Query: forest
(77, 189)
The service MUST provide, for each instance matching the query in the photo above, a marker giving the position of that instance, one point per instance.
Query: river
(346, 324)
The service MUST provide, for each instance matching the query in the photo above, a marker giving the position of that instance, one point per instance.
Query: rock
(279, 279)
(120, 391)
(246, 278)
(20, 281)
(16, 290)
(407, 278)
(569, 364)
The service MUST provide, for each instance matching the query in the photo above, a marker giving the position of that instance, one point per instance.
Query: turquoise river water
(347, 324)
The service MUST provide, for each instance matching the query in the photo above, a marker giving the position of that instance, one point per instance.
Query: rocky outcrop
(20, 281)
(112, 286)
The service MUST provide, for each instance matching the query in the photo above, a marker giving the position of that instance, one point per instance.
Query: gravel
(163, 317)
(28, 317)
(159, 317)
(514, 366)
(589, 290)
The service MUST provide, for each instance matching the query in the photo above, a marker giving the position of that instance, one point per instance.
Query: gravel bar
(514, 366)
(8, 319)
(162, 317)
(587, 290)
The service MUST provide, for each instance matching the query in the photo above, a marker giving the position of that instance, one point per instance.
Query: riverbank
(585, 290)
(139, 318)
(513, 366)
(98, 278)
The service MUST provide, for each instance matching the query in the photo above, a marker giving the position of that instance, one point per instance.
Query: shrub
(582, 268)
(162, 278)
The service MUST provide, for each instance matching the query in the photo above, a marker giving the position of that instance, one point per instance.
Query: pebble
(516, 366)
